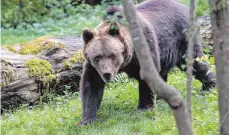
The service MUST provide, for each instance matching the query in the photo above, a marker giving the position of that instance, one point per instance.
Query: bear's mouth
(106, 80)
(107, 77)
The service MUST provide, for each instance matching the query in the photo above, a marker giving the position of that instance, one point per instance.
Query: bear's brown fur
(108, 50)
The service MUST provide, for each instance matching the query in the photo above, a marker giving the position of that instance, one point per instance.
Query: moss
(67, 64)
(39, 44)
(40, 69)
(11, 49)
(30, 49)
(76, 58)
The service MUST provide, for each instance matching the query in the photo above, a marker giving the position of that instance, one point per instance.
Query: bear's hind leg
(201, 72)
(201, 69)
(146, 97)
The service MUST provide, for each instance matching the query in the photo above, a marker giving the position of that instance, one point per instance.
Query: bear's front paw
(86, 122)
(82, 123)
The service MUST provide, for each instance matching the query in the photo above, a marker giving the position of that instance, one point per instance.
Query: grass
(117, 115)
(67, 26)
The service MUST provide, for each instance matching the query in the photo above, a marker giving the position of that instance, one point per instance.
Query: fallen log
(35, 67)
(49, 64)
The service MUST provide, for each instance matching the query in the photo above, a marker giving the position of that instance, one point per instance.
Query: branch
(191, 35)
(149, 73)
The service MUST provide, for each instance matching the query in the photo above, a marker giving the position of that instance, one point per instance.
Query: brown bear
(108, 50)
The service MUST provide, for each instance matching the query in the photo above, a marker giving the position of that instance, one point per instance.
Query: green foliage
(32, 13)
(201, 6)
(87, 17)
(208, 49)
(121, 78)
(23, 12)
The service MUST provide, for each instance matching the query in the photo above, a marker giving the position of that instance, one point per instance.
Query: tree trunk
(192, 33)
(19, 86)
(148, 72)
(220, 23)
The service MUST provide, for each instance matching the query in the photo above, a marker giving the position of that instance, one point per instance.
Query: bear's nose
(107, 76)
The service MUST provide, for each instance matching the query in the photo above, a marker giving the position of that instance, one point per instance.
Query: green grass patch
(68, 26)
(117, 116)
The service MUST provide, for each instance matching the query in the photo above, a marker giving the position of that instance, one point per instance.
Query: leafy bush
(72, 25)
(201, 6)
(24, 12)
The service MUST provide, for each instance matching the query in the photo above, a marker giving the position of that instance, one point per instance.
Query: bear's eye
(112, 56)
(97, 58)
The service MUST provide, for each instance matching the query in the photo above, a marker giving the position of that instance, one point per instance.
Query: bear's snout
(107, 76)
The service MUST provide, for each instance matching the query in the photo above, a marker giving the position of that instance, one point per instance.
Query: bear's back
(162, 10)
(169, 19)
(165, 15)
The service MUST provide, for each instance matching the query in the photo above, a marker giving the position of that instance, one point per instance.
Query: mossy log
(33, 68)
(50, 64)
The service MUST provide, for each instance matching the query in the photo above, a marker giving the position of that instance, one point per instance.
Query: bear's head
(107, 48)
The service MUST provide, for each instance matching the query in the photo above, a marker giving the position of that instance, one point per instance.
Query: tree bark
(149, 73)
(191, 36)
(18, 87)
(220, 23)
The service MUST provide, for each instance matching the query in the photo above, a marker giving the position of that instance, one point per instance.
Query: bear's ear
(87, 35)
(114, 29)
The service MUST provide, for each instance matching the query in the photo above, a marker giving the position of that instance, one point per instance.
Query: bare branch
(191, 35)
